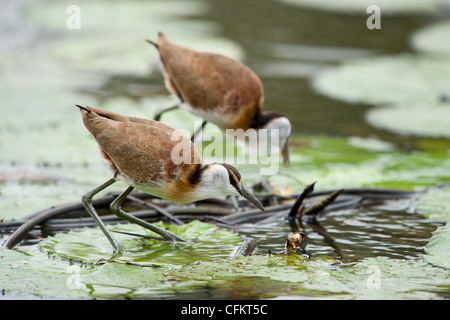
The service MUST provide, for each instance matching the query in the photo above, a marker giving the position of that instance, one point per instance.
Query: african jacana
(220, 90)
(143, 153)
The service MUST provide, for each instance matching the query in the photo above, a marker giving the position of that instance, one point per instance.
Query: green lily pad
(41, 124)
(360, 6)
(419, 119)
(111, 38)
(96, 17)
(374, 278)
(247, 277)
(371, 144)
(438, 250)
(432, 39)
(103, 55)
(435, 204)
(89, 245)
(346, 163)
(399, 79)
(30, 274)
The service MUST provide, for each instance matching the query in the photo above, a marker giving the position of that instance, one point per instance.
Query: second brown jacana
(219, 89)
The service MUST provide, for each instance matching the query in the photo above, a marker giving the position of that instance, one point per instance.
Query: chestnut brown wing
(211, 81)
(140, 150)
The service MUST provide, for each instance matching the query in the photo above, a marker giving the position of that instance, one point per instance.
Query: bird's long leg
(87, 203)
(199, 130)
(159, 113)
(117, 210)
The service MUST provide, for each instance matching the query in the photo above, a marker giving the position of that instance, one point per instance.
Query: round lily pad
(420, 119)
(386, 80)
(433, 39)
(204, 241)
(360, 6)
(111, 35)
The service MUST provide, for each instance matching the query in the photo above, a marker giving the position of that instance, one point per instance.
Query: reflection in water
(373, 225)
(354, 236)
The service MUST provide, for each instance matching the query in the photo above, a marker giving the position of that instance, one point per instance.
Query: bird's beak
(250, 197)
(285, 155)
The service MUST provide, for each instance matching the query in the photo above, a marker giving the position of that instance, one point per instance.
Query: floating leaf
(205, 241)
(360, 6)
(374, 278)
(438, 250)
(111, 38)
(436, 204)
(396, 79)
(346, 163)
(433, 39)
(425, 119)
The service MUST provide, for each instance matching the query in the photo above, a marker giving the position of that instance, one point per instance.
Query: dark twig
(319, 206)
(41, 216)
(297, 205)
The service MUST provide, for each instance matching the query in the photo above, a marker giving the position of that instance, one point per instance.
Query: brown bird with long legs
(220, 90)
(156, 159)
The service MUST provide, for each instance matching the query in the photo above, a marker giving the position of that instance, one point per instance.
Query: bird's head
(221, 179)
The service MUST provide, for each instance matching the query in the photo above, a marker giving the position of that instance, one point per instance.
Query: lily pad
(111, 37)
(419, 119)
(30, 274)
(133, 56)
(438, 250)
(95, 17)
(89, 245)
(371, 144)
(247, 277)
(374, 278)
(360, 6)
(346, 163)
(398, 79)
(432, 39)
(435, 204)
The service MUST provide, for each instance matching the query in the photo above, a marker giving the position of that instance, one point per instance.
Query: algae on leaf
(363, 162)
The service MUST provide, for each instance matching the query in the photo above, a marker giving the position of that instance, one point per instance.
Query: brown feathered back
(229, 90)
(139, 149)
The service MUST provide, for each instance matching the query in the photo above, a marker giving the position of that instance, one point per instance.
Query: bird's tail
(85, 109)
(153, 43)
(160, 34)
